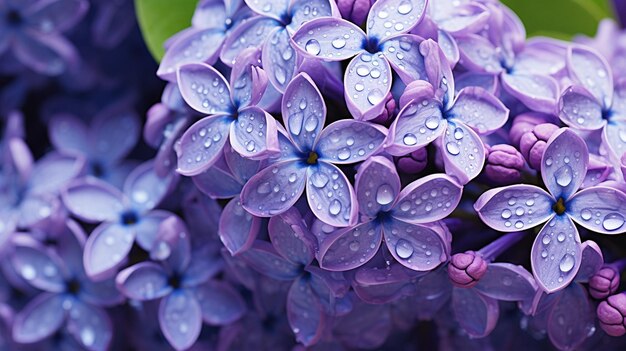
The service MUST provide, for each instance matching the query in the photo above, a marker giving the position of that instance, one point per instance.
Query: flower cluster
(349, 174)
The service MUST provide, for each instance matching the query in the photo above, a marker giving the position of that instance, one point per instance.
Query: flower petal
(433, 292)
(380, 286)
(614, 136)
(147, 227)
(42, 317)
(57, 16)
(377, 186)
(201, 145)
(219, 302)
(539, 93)
(487, 81)
(37, 266)
(49, 55)
(463, 152)
(415, 246)
(390, 17)
(428, 199)
(600, 209)
(304, 111)
(106, 248)
(571, 318)
(255, 134)
(263, 258)
(329, 38)
(479, 109)
(367, 82)
(172, 245)
(507, 282)
(513, 208)
(478, 54)
(143, 281)
(68, 134)
(279, 59)
(403, 54)
(564, 163)
(250, 33)
(145, 188)
(330, 195)
(217, 183)
(591, 70)
(466, 18)
(305, 312)
(53, 171)
(303, 11)
(114, 134)
(449, 47)
(93, 200)
(291, 238)
(476, 314)
(556, 254)
(247, 79)
(269, 8)
(349, 248)
(579, 109)
(204, 89)
(418, 124)
(349, 141)
(238, 229)
(591, 261)
(241, 168)
(180, 318)
(90, 326)
(275, 189)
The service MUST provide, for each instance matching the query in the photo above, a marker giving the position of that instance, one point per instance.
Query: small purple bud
(412, 163)
(611, 315)
(386, 117)
(466, 269)
(525, 123)
(604, 283)
(504, 164)
(532, 144)
(354, 11)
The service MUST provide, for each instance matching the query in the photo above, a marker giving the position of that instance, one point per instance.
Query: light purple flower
(402, 219)
(368, 76)
(309, 153)
(232, 114)
(556, 252)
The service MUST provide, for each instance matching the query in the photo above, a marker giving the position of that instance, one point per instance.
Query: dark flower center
(607, 114)
(286, 19)
(14, 18)
(559, 206)
(371, 45)
(97, 169)
(174, 281)
(129, 218)
(73, 287)
(312, 159)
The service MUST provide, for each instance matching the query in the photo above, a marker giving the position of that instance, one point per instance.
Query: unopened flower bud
(466, 269)
(533, 144)
(386, 117)
(412, 163)
(612, 315)
(354, 11)
(525, 123)
(604, 283)
(504, 164)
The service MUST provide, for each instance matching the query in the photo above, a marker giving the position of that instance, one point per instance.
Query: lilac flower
(272, 30)
(452, 121)
(612, 315)
(70, 300)
(125, 217)
(183, 282)
(212, 23)
(504, 164)
(610, 41)
(233, 115)
(556, 253)
(604, 282)
(594, 102)
(31, 31)
(368, 76)
(399, 218)
(355, 11)
(309, 153)
(412, 163)
(113, 23)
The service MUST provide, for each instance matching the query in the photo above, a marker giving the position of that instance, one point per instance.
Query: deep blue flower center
(371, 45)
(129, 217)
(312, 158)
(14, 18)
(174, 281)
(73, 286)
(559, 206)
(228, 23)
(97, 169)
(607, 114)
(383, 217)
(286, 19)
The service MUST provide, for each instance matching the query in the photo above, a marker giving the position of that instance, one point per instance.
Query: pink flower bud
(611, 315)
(604, 283)
(504, 164)
(466, 269)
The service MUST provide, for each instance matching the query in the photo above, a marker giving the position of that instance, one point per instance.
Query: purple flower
(309, 153)
(368, 76)
(70, 300)
(556, 252)
(402, 219)
(604, 283)
(354, 11)
(412, 163)
(504, 164)
(182, 280)
(612, 315)
(533, 143)
(466, 269)
(232, 114)
(125, 217)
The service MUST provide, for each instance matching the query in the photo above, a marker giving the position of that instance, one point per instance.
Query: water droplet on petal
(339, 43)
(405, 7)
(384, 194)
(453, 149)
(432, 123)
(567, 263)
(506, 214)
(560, 237)
(295, 123)
(311, 123)
(354, 246)
(312, 47)
(343, 154)
(404, 249)
(263, 188)
(563, 176)
(613, 221)
(375, 96)
(409, 139)
(335, 207)
(319, 179)
(292, 177)
(546, 239)
(585, 214)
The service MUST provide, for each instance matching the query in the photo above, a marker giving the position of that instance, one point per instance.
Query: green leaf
(160, 19)
(560, 18)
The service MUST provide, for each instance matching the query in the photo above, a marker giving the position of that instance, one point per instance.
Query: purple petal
(172, 245)
(463, 152)
(219, 302)
(90, 326)
(433, 292)
(571, 319)
(599, 209)
(415, 246)
(403, 14)
(449, 47)
(349, 141)
(180, 318)
(428, 199)
(217, 183)
(350, 248)
(274, 189)
(40, 268)
(49, 55)
(556, 254)
(204, 89)
(579, 109)
(379, 286)
(255, 134)
(564, 163)
(366, 84)
(238, 229)
(263, 258)
(418, 124)
(247, 79)
(202, 144)
(614, 137)
(103, 294)
(330, 195)
(539, 93)
(143, 281)
(329, 39)
(248, 34)
(68, 134)
(507, 282)
(477, 314)
(403, 54)
(114, 134)
(301, 11)
(279, 59)
(53, 171)
(591, 261)
(478, 54)
(147, 228)
(21, 158)
(591, 70)
(467, 18)
(36, 211)
(106, 248)
(93, 200)
(479, 109)
(57, 16)
(291, 238)
(242, 168)
(269, 8)
(205, 263)
(145, 188)
(304, 111)
(542, 56)
(377, 186)
(305, 313)
(210, 14)
(42, 317)
(513, 208)
(487, 81)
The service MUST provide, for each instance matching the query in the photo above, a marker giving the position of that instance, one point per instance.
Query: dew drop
(354, 246)
(375, 96)
(585, 214)
(453, 148)
(519, 224)
(263, 188)
(546, 239)
(312, 47)
(339, 43)
(319, 179)
(560, 237)
(613, 221)
(567, 263)
(404, 8)
(343, 154)
(409, 139)
(563, 176)
(404, 249)
(506, 214)
(384, 194)
(335, 207)
(311, 123)
(432, 123)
